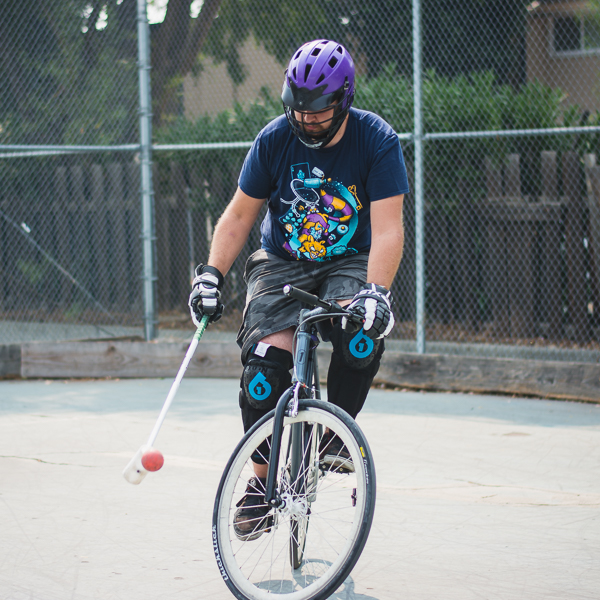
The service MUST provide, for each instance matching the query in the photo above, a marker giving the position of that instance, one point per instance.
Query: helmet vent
(340, 50)
(321, 77)
(333, 61)
(315, 52)
(294, 72)
(298, 55)
(307, 71)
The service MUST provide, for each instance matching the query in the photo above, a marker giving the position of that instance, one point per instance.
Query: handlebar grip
(305, 297)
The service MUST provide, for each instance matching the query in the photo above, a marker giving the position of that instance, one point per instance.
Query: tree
(72, 64)
(459, 37)
(68, 80)
(176, 45)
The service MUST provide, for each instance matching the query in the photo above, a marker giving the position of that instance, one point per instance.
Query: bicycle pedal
(340, 468)
(268, 524)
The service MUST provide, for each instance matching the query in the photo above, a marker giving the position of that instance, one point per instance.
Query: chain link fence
(511, 204)
(69, 200)
(510, 194)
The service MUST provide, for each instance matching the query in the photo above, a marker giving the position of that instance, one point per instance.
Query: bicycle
(286, 557)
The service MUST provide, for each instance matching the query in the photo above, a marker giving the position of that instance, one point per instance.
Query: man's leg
(354, 363)
(265, 377)
(261, 373)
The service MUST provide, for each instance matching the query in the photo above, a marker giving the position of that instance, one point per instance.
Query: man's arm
(387, 240)
(232, 230)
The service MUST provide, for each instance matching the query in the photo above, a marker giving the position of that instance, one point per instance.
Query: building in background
(563, 49)
(213, 90)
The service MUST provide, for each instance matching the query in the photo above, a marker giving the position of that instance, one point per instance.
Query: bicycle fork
(287, 405)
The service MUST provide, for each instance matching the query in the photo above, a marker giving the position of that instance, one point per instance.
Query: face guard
(319, 77)
(297, 121)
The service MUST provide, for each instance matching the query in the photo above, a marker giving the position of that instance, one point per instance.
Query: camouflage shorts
(268, 310)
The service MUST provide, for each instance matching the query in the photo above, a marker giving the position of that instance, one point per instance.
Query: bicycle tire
(341, 507)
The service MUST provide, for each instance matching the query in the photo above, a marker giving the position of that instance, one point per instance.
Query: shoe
(251, 518)
(333, 454)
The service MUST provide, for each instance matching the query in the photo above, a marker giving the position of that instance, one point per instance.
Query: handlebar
(312, 300)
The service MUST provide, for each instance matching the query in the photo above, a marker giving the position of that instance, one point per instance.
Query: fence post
(593, 195)
(418, 140)
(574, 233)
(551, 249)
(147, 194)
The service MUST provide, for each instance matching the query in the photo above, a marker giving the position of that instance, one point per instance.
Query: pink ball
(152, 460)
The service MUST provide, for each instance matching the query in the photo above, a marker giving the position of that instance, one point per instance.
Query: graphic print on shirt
(322, 217)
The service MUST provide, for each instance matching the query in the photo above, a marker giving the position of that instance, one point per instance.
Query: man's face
(315, 124)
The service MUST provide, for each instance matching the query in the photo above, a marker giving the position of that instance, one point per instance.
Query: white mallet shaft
(134, 472)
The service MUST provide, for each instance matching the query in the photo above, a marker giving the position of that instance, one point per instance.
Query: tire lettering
(218, 554)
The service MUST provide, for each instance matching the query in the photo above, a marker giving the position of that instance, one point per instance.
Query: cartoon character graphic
(322, 218)
(312, 248)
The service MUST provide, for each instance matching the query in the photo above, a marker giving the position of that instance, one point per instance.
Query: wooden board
(506, 210)
(551, 379)
(10, 360)
(127, 359)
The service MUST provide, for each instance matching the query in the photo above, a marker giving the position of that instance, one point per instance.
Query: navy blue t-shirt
(319, 200)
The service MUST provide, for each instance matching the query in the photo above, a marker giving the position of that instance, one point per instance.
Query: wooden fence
(189, 198)
(71, 228)
(525, 266)
(515, 266)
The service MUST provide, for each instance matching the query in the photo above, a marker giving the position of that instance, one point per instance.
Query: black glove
(206, 293)
(373, 304)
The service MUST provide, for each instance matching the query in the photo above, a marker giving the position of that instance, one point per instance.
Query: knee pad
(265, 377)
(355, 349)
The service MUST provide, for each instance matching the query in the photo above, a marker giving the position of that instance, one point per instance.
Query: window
(591, 34)
(576, 34)
(567, 34)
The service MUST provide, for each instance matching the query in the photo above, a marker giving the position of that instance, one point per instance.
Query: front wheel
(287, 557)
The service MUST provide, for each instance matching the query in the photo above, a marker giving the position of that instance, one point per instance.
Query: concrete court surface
(479, 497)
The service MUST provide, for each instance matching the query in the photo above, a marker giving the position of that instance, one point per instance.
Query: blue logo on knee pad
(361, 345)
(259, 387)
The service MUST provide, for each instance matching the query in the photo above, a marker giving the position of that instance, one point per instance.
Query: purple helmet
(319, 76)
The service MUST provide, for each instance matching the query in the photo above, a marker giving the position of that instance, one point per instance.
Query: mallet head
(135, 472)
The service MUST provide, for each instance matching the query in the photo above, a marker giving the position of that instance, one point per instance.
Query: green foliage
(213, 173)
(389, 95)
(460, 104)
(70, 65)
(590, 143)
(68, 82)
(74, 311)
(237, 125)
(34, 272)
(104, 112)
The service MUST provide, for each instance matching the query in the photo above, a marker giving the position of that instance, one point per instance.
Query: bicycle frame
(305, 375)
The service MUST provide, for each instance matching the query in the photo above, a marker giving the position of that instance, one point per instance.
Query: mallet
(147, 458)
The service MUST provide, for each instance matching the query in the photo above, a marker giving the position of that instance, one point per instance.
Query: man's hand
(206, 294)
(373, 304)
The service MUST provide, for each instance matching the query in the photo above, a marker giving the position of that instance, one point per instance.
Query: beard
(316, 131)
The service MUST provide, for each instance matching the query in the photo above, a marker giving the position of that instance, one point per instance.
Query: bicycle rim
(338, 505)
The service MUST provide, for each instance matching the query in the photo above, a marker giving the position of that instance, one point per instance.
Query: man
(334, 180)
